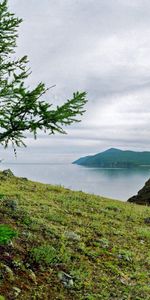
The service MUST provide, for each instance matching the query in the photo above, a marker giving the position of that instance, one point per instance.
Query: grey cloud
(101, 46)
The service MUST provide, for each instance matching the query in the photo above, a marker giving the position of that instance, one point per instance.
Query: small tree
(22, 109)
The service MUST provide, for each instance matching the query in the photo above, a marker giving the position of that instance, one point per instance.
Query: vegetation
(6, 234)
(71, 245)
(23, 109)
(115, 158)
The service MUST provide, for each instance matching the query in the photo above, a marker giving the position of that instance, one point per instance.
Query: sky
(98, 46)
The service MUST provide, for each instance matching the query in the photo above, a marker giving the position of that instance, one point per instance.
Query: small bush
(144, 233)
(113, 208)
(2, 196)
(23, 217)
(44, 254)
(56, 218)
(6, 234)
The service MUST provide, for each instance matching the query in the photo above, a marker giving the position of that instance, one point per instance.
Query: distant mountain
(115, 158)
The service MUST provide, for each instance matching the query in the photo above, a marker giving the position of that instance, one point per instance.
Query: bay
(113, 183)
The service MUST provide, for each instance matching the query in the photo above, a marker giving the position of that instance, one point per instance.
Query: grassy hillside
(116, 158)
(60, 244)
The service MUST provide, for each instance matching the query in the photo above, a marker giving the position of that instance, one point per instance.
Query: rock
(143, 196)
(7, 255)
(7, 272)
(142, 242)
(66, 279)
(32, 276)
(104, 243)
(17, 291)
(70, 235)
(26, 233)
(11, 244)
(12, 204)
(79, 212)
(147, 220)
(8, 173)
(17, 264)
(24, 178)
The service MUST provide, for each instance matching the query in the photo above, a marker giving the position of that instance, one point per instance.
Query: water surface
(114, 183)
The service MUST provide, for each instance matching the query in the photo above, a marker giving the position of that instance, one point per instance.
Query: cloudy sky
(98, 46)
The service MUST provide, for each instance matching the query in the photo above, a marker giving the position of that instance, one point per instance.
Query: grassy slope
(110, 261)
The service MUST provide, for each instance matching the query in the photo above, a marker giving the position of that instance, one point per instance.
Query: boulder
(7, 272)
(8, 173)
(70, 235)
(11, 203)
(66, 279)
(147, 220)
(16, 291)
(143, 196)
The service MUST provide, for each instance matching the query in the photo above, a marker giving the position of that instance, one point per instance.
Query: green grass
(6, 234)
(110, 260)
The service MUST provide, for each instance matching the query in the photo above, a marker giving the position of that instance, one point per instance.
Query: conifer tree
(22, 109)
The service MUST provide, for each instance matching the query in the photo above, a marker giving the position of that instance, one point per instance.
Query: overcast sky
(98, 46)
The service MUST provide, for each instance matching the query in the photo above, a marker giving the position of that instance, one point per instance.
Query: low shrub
(44, 254)
(6, 234)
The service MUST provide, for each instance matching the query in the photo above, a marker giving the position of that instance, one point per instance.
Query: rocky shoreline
(143, 196)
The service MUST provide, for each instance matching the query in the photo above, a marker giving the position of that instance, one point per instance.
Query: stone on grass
(147, 220)
(8, 273)
(8, 173)
(24, 178)
(11, 203)
(32, 276)
(17, 291)
(70, 235)
(66, 279)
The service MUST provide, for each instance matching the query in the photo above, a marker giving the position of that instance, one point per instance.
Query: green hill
(60, 244)
(115, 158)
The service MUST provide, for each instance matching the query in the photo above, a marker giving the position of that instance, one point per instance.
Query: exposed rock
(143, 196)
(24, 178)
(11, 244)
(104, 243)
(17, 291)
(11, 203)
(147, 220)
(70, 235)
(8, 173)
(32, 276)
(17, 264)
(8, 273)
(66, 279)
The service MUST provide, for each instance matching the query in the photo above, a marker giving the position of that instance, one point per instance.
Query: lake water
(114, 183)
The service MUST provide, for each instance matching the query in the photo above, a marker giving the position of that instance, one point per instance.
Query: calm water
(113, 183)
